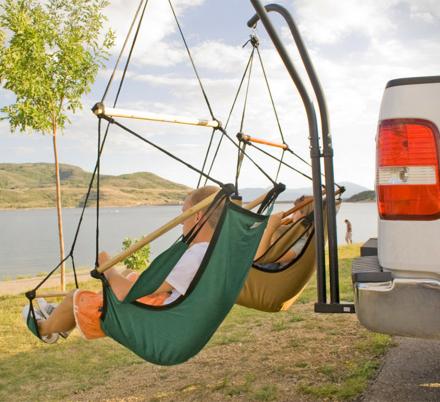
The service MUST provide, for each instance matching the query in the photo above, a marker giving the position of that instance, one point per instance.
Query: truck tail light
(407, 179)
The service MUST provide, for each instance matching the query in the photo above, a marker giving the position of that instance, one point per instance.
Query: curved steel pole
(326, 146)
(315, 152)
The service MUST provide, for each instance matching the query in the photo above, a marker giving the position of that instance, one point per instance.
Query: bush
(140, 259)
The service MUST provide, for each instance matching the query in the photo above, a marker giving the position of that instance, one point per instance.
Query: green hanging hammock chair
(173, 333)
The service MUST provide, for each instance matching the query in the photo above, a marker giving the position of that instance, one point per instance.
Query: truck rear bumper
(395, 306)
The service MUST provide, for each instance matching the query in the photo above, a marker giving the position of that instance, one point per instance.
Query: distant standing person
(348, 234)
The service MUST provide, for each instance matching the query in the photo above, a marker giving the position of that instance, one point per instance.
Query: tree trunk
(59, 212)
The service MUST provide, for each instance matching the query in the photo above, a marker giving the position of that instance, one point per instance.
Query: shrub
(140, 259)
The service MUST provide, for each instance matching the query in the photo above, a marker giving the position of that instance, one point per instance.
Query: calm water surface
(29, 245)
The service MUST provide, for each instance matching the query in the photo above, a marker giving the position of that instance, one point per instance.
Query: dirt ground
(254, 356)
(18, 286)
(274, 359)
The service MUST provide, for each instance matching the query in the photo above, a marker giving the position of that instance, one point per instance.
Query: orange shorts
(87, 309)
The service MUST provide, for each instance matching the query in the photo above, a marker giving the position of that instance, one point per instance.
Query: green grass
(352, 381)
(266, 393)
(253, 356)
(31, 368)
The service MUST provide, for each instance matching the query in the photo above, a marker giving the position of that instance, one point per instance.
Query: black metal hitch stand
(315, 153)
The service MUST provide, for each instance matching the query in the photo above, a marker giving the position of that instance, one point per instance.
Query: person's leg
(127, 273)
(61, 319)
(119, 283)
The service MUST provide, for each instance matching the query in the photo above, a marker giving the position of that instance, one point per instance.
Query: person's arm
(287, 257)
(266, 240)
(120, 284)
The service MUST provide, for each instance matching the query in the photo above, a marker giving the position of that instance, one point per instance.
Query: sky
(356, 48)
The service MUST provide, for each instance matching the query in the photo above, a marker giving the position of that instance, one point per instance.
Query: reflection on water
(29, 242)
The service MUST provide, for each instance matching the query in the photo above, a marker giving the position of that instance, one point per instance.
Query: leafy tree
(138, 260)
(50, 53)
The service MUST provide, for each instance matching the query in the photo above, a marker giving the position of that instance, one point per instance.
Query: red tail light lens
(408, 170)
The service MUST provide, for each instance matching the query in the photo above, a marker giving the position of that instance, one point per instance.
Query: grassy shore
(296, 355)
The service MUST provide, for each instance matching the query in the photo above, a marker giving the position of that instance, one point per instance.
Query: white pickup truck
(397, 278)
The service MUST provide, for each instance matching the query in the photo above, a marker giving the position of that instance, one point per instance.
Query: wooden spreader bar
(157, 233)
(146, 240)
(104, 111)
(248, 138)
(154, 235)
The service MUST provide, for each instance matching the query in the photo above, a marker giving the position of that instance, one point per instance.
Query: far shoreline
(152, 205)
(93, 206)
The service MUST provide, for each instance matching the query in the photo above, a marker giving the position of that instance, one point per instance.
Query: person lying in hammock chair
(82, 308)
(276, 227)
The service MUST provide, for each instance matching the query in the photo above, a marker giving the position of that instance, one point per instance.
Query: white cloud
(326, 22)
(425, 10)
(220, 57)
(356, 48)
(152, 47)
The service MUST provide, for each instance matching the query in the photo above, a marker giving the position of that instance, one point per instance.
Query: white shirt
(184, 271)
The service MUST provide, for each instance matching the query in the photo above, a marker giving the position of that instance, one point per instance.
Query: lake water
(29, 244)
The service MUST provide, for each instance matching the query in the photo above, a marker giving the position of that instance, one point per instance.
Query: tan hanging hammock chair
(272, 286)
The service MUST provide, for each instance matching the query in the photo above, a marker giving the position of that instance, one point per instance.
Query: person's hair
(199, 195)
(306, 209)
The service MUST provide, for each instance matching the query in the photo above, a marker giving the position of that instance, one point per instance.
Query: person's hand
(103, 257)
(275, 220)
(297, 215)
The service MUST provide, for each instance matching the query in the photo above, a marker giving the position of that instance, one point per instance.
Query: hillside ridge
(32, 185)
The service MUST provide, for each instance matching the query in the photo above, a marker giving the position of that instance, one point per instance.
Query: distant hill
(363, 196)
(291, 194)
(31, 185)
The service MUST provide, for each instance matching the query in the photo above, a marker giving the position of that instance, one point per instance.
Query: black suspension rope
(74, 271)
(247, 156)
(189, 238)
(279, 165)
(243, 115)
(255, 44)
(242, 145)
(75, 238)
(101, 147)
(231, 110)
(263, 69)
(131, 50)
(164, 151)
(96, 172)
(86, 199)
(270, 95)
(98, 197)
(50, 274)
(192, 61)
(307, 163)
(282, 162)
(214, 157)
(240, 155)
(206, 157)
(123, 48)
(271, 197)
